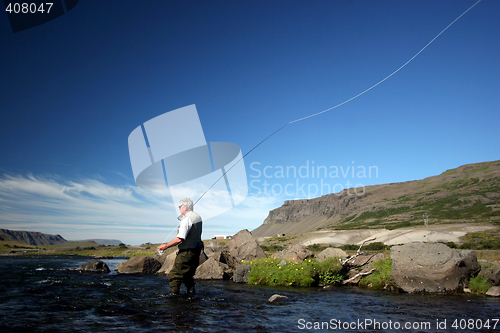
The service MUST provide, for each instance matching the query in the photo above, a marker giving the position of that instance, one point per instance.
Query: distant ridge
(467, 194)
(113, 242)
(33, 238)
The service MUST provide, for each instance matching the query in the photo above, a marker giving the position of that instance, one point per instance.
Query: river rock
(242, 273)
(243, 247)
(492, 275)
(212, 247)
(168, 263)
(493, 291)
(169, 260)
(331, 252)
(277, 299)
(94, 266)
(421, 267)
(225, 257)
(295, 253)
(139, 265)
(213, 270)
(161, 257)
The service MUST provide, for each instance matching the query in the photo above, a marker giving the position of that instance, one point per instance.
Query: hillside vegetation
(467, 194)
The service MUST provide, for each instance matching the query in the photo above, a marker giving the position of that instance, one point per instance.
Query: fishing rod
(345, 102)
(336, 106)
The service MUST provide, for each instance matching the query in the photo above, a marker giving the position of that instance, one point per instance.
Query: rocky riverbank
(413, 268)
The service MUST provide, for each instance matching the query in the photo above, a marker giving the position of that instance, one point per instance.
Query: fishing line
(347, 101)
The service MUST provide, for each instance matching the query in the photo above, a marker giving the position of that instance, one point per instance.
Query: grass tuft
(479, 285)
(381, 277)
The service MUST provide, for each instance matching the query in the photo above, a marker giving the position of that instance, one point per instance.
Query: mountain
(470, 193)
(113, 242)
(31, 237)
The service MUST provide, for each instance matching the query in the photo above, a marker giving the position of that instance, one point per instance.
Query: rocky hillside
(470, 193)
(31, 237)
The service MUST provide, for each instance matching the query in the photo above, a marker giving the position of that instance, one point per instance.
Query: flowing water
(40, 294)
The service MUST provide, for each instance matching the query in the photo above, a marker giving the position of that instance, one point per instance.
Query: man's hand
(162, 247)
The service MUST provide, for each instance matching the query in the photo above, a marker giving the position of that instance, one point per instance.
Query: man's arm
(173, 242)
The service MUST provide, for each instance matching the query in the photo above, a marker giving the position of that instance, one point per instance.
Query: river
(40, 294)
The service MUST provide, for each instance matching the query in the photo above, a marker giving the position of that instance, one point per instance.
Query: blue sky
(73, 89)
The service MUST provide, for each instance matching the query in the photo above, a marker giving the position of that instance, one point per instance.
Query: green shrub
(377, 246)
(316, 247)
(271, 248)
(479, 285)
(381, 276)
(452, 245)
(349, 247)
(305, 274)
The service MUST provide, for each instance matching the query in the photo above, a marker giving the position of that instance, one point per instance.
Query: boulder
(295, 253)
(139, 265)
(331, 252)
(493, 291)
(168, 263)
(225, 257)
(212, 247)
(203, 257)
(213, 270)
(161, 257)
(94, 266)
(244, 247)
(492, 275)
(421, 267)
(242, 273)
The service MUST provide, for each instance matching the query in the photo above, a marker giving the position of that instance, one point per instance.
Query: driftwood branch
(358, 252)
(358, 275)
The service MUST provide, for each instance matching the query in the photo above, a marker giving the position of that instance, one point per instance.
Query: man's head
(185, 206)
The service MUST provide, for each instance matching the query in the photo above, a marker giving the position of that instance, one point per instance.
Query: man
(190, 245)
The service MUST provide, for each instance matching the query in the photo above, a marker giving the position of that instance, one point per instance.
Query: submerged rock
(94, 266)
(277, 299)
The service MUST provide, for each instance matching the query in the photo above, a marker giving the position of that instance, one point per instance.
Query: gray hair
(186, 202)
